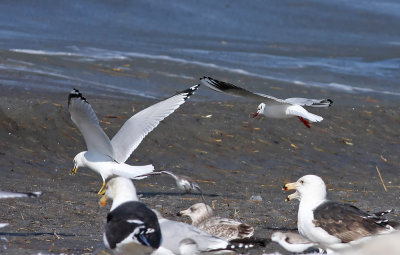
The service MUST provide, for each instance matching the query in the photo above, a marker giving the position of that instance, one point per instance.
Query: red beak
(255, 114)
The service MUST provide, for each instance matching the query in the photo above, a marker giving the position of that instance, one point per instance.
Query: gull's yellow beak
(74, 170)
(291, 186)
(103, 200)
(292, 196)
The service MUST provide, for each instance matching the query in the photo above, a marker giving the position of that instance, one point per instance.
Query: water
(154, 48)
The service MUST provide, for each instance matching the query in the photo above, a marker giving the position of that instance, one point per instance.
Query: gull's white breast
(307, 228)
(277, 111)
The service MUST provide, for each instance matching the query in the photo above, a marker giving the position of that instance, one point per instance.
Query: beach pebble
(256, 198)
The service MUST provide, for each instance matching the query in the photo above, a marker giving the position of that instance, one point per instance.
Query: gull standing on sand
(132, 227)
(273, 107)
(293, 242)
(107, 157)
(330, 223)
(8, 194)
(228, 229)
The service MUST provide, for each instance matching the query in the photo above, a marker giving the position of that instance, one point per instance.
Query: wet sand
(231, 156)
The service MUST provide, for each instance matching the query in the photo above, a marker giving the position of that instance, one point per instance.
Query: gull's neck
(122, 194)
(311, 202)
(198, 219)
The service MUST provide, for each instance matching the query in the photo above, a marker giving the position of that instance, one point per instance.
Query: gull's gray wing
(174, 232)
(347, 222)
(139, 125)
(7, 194)
(238, 91)
(309, 102)
(85, 119)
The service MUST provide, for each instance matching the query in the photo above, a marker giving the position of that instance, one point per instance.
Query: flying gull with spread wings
(106, 156)
(272, 107)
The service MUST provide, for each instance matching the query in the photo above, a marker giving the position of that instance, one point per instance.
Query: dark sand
(232, 157)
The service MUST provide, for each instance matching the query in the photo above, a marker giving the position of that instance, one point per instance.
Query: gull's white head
(188, 247)
(79, 161)
(278, 237)
(310, 186)
(197, 212)
(260, 110)
(120, 190)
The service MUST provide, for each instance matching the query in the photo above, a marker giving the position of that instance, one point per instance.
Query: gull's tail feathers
(134, 172)
(297, 110)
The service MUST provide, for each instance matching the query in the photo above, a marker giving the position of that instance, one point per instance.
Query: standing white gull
(228, 229)
(273, 107)
(327, 222)
(107, 157)
(132, 227)
(292, 242)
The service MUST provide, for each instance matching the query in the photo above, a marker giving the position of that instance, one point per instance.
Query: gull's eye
(302, 182)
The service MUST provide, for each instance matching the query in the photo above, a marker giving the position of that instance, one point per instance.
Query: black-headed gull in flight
(328, 223)
(273, 107)
(132, 227)
(107, 157)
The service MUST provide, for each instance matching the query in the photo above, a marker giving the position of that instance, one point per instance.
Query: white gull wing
(6, 194)
(234, 90)
(2, 225)
(174, 232)
(309, 102)
(298, 110)
(85, 119)
(139, 125)
(238, 91)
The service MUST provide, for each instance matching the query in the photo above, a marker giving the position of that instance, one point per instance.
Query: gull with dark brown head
(272, 107)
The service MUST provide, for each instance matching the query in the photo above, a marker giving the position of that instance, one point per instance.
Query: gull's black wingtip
(34, 194)
(330, 101)
(75, 93)
(190, 91)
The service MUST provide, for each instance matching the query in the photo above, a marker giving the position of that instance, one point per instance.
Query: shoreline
(231, 156)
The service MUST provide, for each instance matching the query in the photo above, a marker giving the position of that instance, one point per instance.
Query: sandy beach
(231, 156)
